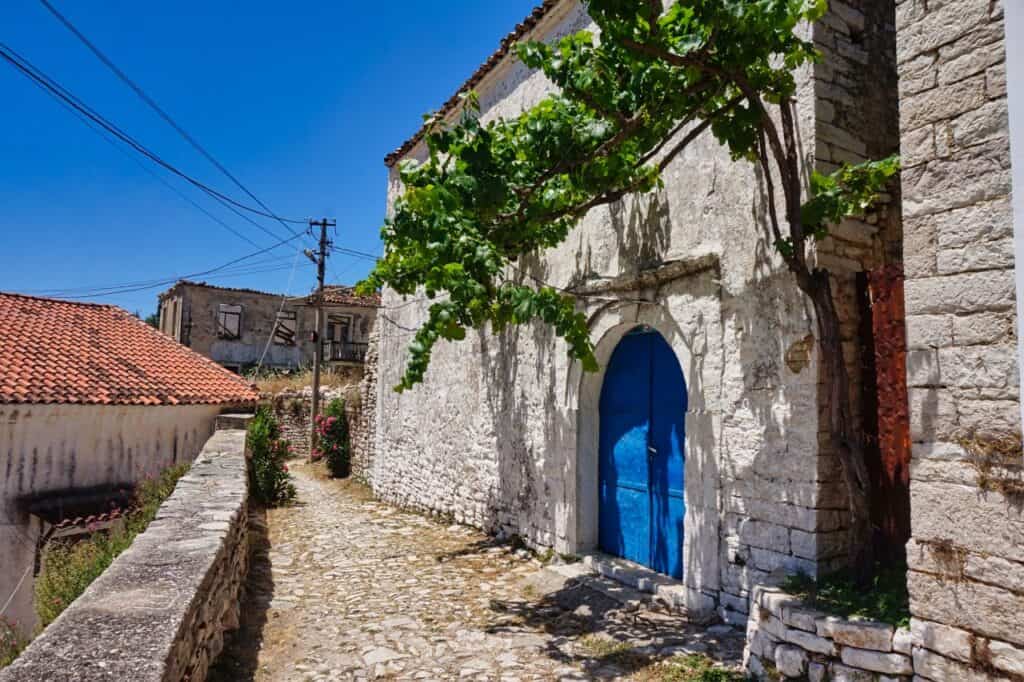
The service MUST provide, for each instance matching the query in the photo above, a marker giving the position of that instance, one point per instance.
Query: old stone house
(704, 342)
(92, 400)
(243, 328)
(687, 302)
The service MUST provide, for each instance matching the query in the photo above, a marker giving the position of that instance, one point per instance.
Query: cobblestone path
(343, 587)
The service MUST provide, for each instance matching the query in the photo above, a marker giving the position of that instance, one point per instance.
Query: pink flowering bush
(332, 432)
(269, 478)
(11, 642)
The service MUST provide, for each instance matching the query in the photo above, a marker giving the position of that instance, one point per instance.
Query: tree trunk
(846, 439)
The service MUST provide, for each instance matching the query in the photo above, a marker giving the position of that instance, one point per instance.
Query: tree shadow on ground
(240, 658)
(607, 638)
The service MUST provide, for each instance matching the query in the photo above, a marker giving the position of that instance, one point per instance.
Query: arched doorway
(641, 473)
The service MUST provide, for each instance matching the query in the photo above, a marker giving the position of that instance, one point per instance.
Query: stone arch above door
(701, 542)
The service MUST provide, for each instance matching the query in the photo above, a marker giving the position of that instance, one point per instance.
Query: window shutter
(229, 321)
(284, 332)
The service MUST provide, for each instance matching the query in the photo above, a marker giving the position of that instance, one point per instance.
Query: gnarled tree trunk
(845, 437)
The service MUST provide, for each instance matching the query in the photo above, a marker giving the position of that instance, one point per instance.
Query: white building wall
(503, 432)
(63, 447)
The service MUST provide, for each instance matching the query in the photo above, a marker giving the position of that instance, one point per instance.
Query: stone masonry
(966, 558)
(503, 434)
(363, 422)
(160, 611)
(785, 639)
(189, 314)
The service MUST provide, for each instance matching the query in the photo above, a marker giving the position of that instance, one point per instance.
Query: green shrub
(269, 478)
(11, 642)
(332, 429)
(69, 567)
(885, 599)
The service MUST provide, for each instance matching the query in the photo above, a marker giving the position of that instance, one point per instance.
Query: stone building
(686, 300)
(508, 435)
(961, 65)
(92, 401)
(243, 328)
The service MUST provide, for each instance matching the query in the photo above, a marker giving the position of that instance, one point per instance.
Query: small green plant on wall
(68, 568)
(270, 479)
(11, 642)
(334, 447)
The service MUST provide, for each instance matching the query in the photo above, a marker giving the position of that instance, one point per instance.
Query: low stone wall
(292, 409)
(787, 640)
(160, 611)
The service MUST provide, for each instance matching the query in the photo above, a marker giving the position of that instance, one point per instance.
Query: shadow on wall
(239, 661)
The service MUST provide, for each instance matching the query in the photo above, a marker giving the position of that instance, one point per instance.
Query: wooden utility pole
(320, 258)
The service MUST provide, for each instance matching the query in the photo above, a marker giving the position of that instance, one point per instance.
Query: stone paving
(346, 588)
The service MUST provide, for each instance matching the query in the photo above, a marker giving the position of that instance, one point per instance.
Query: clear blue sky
(300, 100)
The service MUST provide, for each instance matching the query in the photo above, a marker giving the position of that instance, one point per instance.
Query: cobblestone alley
(343, 587)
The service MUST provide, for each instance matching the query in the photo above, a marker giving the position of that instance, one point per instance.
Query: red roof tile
(496, 58)
(340, 295)
(62, 352)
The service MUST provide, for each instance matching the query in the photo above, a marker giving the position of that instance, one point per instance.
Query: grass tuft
(885, 600)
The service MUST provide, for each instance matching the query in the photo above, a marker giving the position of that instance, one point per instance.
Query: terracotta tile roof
(454, 101)
(339, 295)
(62, 352)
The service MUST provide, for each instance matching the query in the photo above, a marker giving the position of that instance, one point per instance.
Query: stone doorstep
(645, 586)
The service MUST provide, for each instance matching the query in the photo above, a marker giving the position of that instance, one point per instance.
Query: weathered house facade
(705, 344)
(242, 328)
(92, 401)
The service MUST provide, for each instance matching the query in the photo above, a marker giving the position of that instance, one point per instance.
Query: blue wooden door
(641, 477)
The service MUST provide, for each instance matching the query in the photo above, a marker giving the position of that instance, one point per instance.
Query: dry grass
(998, 461)
(296, 381)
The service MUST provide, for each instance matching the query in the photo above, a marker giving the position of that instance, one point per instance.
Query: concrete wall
(54, 448)
(966, 556)
(196, 325)
(160, 611)
(503, 433)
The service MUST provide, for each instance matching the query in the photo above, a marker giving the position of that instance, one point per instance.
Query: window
(229, 321)
(339, 328)
(284, 330)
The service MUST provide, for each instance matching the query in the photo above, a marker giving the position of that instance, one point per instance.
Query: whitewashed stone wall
(967, 553)
(503, 432)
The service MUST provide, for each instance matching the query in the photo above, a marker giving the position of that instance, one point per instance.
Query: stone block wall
(966, 559)
(363, 415)
(786, 639)
(160, 611)
(292, 410)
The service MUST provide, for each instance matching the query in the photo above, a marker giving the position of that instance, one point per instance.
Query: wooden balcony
(344, 351)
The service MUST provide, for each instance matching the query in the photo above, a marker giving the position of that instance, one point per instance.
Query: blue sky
(300, 100)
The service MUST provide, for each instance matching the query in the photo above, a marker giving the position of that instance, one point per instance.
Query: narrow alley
(343, 587)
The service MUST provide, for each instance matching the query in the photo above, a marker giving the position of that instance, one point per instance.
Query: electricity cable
(160, 111)
(57, 90)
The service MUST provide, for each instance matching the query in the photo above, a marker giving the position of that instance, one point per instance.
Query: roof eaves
(521, 30)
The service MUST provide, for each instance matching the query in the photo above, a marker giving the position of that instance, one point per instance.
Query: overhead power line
(106, 138)
(161, 112)
(153, 284)
(357, 254)
(58, 91)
